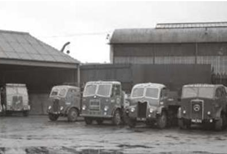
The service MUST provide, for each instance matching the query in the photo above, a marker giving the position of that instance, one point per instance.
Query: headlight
(161, 103)
(208, 112)
(132, 109)
(49, 107)
(106, 108)
(61, 108)
(184, 112)
(151, 110)
(83, 107)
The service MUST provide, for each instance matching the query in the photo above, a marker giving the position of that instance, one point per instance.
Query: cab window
(116, 90)
(218, 93)
(164, 93)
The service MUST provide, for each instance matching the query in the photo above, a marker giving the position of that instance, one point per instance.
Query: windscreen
(61, 92)
(152, 92)
(203, 92)
(104, 90)
(145, 92)
(11, 91)
(137, 92)
(16, 91)
(90, 90)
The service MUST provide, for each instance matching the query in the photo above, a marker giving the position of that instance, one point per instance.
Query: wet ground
(37, 135)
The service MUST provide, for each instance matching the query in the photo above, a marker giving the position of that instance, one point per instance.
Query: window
(116, 90)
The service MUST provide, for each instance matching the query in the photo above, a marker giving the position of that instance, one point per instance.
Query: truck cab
(203, 104)
(14, 98)
(0, 105)
(151, 103)
(65, 101)
(103, 100)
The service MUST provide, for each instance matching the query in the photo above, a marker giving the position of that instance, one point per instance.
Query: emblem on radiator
(196, 107)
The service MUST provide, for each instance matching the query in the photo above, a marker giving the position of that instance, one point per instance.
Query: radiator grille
(142, 109)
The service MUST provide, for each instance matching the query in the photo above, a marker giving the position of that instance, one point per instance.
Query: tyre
(219, 124)
(181, 124)
(99, 121)
(149, 123)
(131, 123)
(162, 121)
(25, 113)
(88, 121)
(72, 115)
(53, 117)
(224, 121)
(116, 118)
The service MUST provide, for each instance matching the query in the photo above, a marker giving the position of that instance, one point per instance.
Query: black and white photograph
(113, 77)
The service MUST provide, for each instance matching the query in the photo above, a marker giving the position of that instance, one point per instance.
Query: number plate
(197, 120)
(141, 119)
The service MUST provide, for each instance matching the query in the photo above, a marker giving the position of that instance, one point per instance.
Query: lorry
(103, 100)
(14, 98)
(152, 104)
(65, 101)
(0, 106)
(203, 104)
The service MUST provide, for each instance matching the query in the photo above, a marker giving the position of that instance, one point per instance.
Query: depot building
(25, 59)
(174, 43)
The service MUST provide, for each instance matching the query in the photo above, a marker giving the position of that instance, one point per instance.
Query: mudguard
(218, 114)
(68, 108)
(179, 113)
(117, 108)
(159, 109)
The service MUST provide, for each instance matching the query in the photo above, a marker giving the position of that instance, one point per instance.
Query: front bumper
(96, 114)
(23, 108)
(200, 121)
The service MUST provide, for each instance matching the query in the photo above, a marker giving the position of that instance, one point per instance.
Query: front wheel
(88, 121)
(53, 117)
(220, 124)
(131, 123)
(181, 124)
(99, 121)
(116, 118)
(162, 121)
(25, 113)
(72, 115)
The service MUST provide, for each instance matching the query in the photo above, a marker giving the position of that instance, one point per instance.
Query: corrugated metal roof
(191, 25)
(22, 46)
(189, 35)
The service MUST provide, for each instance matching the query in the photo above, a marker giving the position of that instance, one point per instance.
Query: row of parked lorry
(151, 103)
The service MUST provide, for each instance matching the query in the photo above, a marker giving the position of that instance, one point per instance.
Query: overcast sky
(85, 24)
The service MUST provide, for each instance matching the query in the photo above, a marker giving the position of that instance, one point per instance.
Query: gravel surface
(37, 135)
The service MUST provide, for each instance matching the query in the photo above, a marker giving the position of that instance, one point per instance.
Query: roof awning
(19, 48)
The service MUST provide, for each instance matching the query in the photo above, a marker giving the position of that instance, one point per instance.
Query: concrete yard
(37, 135)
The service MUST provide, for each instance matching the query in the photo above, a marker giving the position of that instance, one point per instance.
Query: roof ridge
(16, 32)
(194, 23)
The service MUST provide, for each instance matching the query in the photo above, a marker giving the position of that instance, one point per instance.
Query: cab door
(222, 96)
(163, 97)
(116, 93)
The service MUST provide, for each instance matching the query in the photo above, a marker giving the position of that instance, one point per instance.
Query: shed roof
(190, 25)
(23, 49)
(186, 35)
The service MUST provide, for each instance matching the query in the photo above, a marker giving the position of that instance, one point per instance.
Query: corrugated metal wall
(174, 76)
(214, 54)
(119, 72)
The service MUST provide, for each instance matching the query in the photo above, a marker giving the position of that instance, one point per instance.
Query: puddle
(2, 150)
(56, 150)
(133, 146)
